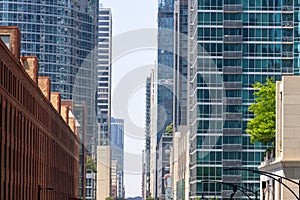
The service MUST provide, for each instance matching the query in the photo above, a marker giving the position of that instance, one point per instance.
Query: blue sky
(130, 20)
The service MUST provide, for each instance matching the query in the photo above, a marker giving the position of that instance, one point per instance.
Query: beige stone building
(285, 161)
(103, 172)
(179, 165)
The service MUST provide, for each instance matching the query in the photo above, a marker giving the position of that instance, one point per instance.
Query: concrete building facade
(285, 161)
(39, 141)
(163, 164)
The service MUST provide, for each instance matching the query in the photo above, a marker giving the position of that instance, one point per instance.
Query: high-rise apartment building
(104, 54)
(117, 153)
(235, 43)
(104, 57)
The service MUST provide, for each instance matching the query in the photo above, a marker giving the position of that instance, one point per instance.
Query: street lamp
(272, 176)
(43, 188)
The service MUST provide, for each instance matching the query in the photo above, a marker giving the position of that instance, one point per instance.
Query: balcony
(232, 101)
(287, 54)
(233, 23)
(232, 163)
(232, 54)
(232, 85)
(233, 39)
(232, 70)
(232, 116)
(227, 194)
(287, 24)
(233, 8)
(232, 147)
(287, 9)
(232, 131)
(287, 39)
(232, 178)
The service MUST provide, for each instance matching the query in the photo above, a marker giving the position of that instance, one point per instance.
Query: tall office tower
(164, 73)
(180, 145)
(62, 34)
(103, 102)
(234, 44)
(146, 159)
(165, 63)
(117, 151)
(104, 74)
(153, 135)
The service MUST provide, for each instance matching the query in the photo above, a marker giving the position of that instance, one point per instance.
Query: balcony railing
(232, 116)
(233, 54)
(287, 54)
(233, 8)
(232, 101)
(233, 38)
(232, 131)
(232, 70)
(287, 39)
(287, 9)
(232, 85)
(233, 23)
(232, 147)
(287, 24)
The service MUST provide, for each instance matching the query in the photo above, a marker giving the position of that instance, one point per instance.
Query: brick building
(39, 141)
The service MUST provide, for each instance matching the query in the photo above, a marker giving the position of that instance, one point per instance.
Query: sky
(134, 55)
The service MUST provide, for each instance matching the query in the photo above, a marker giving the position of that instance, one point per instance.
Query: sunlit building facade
(234, 44)
(117, 154)
(103, 102)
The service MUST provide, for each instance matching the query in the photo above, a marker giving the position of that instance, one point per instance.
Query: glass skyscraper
(117, 152)
(63, 36)
(235, 43)
(165, 64)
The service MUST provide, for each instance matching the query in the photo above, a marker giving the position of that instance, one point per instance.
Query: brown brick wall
(37, 146)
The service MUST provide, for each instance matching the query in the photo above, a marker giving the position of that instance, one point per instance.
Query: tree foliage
(90, 164)
(169, 129)
(150, 198)
(109, 198)
(262, 127)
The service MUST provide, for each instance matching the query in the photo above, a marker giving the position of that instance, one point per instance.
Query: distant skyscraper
(165, 64)
(234, 44)
(117, 151)
(103, 102)
(148, 138)
(104, 74)
(62, 34)
(164, 75)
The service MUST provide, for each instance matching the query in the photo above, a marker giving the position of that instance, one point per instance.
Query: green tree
(90, 164)
(169, 129)
(109, 198)
(262, 127)
(150, 198)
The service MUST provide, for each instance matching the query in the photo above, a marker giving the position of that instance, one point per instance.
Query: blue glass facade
(62, 34)
(165, 64)
(235, 44)
(117, 151)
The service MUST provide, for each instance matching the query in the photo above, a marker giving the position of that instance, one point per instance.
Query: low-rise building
(285, 161)
(39, 140)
